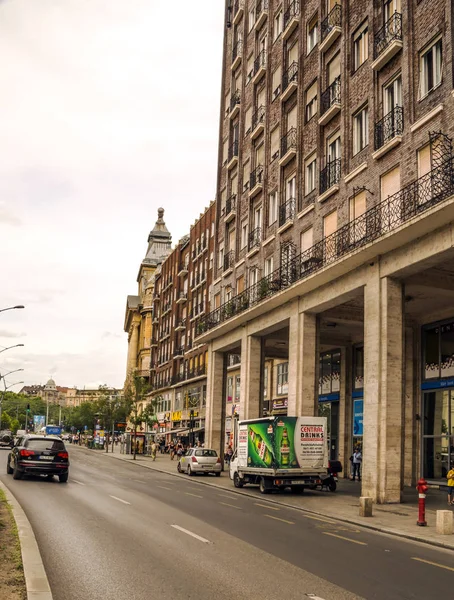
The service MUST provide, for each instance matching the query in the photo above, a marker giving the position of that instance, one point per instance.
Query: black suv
(39, 455)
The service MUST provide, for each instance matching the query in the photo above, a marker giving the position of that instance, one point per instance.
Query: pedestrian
(172, 450)
(228, 454)
(357, 460)
(450, 477)
(154, 449)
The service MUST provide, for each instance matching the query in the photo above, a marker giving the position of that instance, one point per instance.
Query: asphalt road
(117, 530)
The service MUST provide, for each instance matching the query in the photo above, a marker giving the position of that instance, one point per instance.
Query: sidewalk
(343, 505)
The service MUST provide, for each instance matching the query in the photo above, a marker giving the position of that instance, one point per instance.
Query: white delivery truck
(280, 452)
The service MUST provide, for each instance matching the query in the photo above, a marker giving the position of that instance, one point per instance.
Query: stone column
(133, 348)
(410, 451)
(302, 371)
(345, 417)
(383, 398)
(251, 376)
(215, 407)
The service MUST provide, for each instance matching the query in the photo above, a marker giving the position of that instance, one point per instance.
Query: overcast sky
(109, 109)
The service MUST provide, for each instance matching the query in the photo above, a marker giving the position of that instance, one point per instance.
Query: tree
(136, 396)
(112, 408)
(6, 421)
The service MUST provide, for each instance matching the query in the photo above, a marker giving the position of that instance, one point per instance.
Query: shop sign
(161, 416)
(432, 385)
(334, 397)
(280, 404)
(228, 424)
(176, 415)
(358, 415)
(167, 416)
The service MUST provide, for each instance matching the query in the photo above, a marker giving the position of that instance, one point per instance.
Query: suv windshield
(205, 453)
(44, 444)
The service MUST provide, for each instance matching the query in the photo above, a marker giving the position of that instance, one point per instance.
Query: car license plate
(297, 483)
(46, 458)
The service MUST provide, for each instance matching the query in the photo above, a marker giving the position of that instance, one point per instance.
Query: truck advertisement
(283, 443)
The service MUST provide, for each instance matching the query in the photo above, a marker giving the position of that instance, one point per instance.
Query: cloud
(109, 334)
(8, 217)
(4, 333)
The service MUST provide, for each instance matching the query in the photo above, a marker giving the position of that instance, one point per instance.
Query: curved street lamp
(9, 347)
(9, 373)
(12, 307)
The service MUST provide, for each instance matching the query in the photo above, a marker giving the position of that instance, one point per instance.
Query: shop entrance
(438, 433)
(330, 410)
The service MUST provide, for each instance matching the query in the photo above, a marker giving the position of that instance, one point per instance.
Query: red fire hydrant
(422, 488)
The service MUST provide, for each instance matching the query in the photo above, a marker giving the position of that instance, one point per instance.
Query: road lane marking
(341, 537)
(314, 597)
(265, 506)
(227, 496)
(434, 564)
(163, 487)
(78, 482)
(278, 519)
(120, 500)
(232, 505)
(195, 495)
(194, 535)
(319, 519)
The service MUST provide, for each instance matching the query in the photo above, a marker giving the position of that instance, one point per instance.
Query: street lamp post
(9, 347)
(12, 307)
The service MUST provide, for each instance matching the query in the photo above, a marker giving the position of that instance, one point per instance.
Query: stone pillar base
(445, 522)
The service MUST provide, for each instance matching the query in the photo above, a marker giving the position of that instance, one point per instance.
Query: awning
(195, 430)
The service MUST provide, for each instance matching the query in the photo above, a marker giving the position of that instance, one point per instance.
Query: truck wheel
(237, 481)
(332, 486)
(9, 470)
(264, 489)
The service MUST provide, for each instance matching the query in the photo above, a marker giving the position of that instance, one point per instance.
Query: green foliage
(6, 421)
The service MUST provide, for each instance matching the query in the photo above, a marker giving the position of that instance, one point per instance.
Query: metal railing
(330, 175)
(331, 95)
(384, 217)
(183, 267)
(230, 204)
(259, 62)
(287, 211)
(288, 141)
(237, 49)
(334, 19)
(258, 117)
(229, 260)
(391, 30)
(183, 296)
(256, 177)
(290, 75)
(181, 323)
(292, 11)
(235, 99)
(387, 128)
(255, 237)
(233, 150)
(178, 351)
(261, 6)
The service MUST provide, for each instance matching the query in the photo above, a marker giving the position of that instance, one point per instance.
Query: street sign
(53, 430)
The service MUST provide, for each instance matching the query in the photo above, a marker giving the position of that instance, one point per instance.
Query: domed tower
(50, 391)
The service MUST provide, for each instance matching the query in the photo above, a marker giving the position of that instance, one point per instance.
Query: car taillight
(63, 455)
(219, 459)
(26, 453)
(194, 459)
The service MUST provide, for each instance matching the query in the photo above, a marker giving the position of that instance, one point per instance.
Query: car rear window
(205, 453)
(44, 444)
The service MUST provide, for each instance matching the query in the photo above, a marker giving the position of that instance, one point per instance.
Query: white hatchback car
(200, 460)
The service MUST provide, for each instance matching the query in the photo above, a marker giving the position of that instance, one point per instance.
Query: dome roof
(50, 385)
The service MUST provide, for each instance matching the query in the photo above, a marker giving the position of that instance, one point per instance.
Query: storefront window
(237, 388)
(335, 371)
(358, 367)
(329, 379)
(282, 379)
(447, 349)
(438, 432)
(229, 389)
(432, 356)
(265, 382)
(204, 395)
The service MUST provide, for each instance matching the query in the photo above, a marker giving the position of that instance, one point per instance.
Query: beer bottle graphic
(285, 449)
(261, 448)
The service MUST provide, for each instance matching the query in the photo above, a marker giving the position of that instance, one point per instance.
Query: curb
(36, 581)
(377, 528)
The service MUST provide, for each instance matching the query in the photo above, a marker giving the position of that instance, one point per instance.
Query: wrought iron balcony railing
(230, 204)
(389, 127)
(237, 50)
(290, 75)
(292, 11)
(386, 216)
(233, 150)
(255, 238)
(260, 62)
(258, 117)
(179, 351)
(287, 211)
(288, 141)
(334, 19)
(391, 30)
(261, 6)
(331, 95)
(235, 99)
(229, 260)
(256, 177)
(330, 175)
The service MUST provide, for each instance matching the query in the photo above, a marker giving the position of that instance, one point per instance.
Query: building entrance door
(438, 434)
(330, 410)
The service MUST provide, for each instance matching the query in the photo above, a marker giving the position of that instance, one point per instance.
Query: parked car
(38, 455)
(6, 438)
(200, 460)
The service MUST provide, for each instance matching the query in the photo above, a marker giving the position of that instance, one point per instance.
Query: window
(360, 130)
(275, 143)
(311, 101)
(360, 46)
(277, 25)
(249, 68)
(244, 234)
(268, 266)
(253, 275)
(276, 82)
(272, 208)
(228, 294)
(312, 34)
(240, 284)
(390, 183)
(246, 174)
(334, 147)
(282, 379)
(430, 68)
(392, 95)
(307, 239)
(424, 161)
(330, 223)
(217, 300)
(390, 7)
(311, 174)
(251, 21)
(225, 150)
(290, 188)
(357, 206)
(221, 258)
(258, 218)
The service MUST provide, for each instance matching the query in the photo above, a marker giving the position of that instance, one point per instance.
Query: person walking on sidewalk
(450, 477)
(154, 449)
(172, 450)
(357, 460)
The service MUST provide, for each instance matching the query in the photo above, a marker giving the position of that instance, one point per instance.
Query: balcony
(331, 28)
(291, 19)
(178, 352)
(287, 212)
(258, 122)
(229, 261)
(255, 237)
(329, 179)
(261, 13)
(167, 284)
(259, 67)
(165, 333)
(153, 342)
(230, 207)
(180, 325)
(235, 102)
(155, 319)
(256, 181)
(182, 298)
(166, 308)
(233, 155)
(289, 81)
(238, 10)
(237, 54)
(183, 269)
(387, 41)
(288, 147)
(330, 102)
(388, 131)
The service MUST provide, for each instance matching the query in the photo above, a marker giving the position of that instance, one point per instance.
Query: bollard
(445, 522)
(365, 506)
(422, 488)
